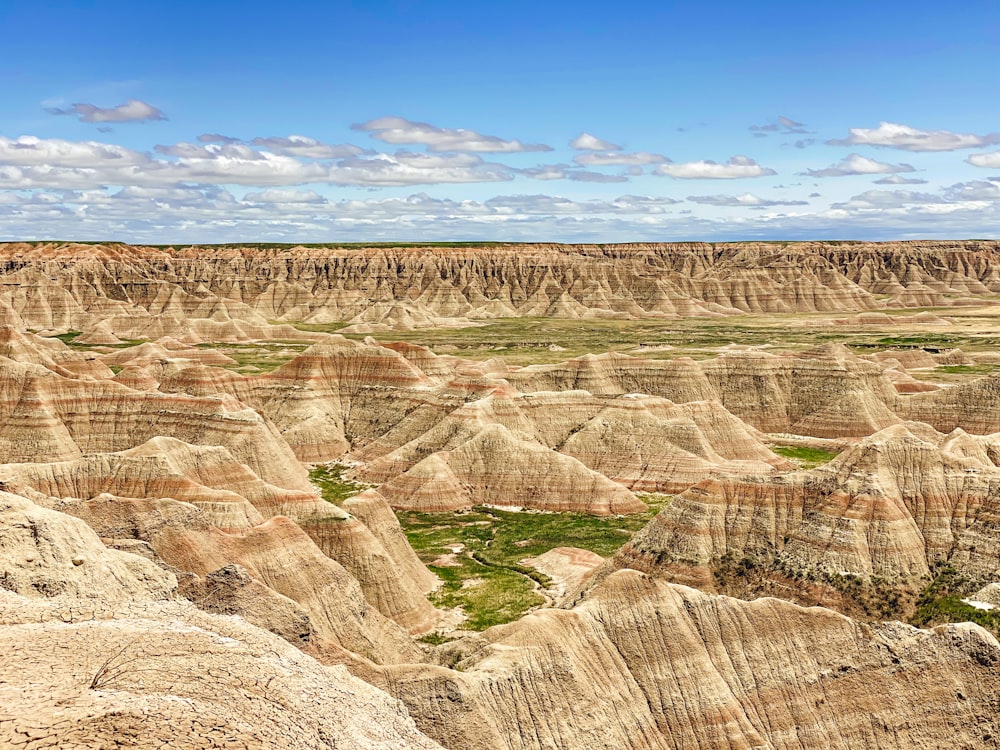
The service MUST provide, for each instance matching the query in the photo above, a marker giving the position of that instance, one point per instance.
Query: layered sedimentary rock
(824, 392)
(642, 664)
(96, 653)
(155, 290)
(209, 477)
(47, 417)
(276, 552)
(888, 508)
(974, 407)
(394, 415)
(497, 468)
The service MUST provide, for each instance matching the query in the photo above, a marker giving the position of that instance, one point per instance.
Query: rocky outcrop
(45, 554)
(97, 653)
(155, 290)
(643, 664)
(823, 392)
(889, 508)
(497, 468)
(276, 552)
(209, 477)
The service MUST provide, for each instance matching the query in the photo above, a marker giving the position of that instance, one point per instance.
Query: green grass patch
(318, 327)
(526, 341)
(486, 578)
(125, 343)
(941, 602)
(67, 338)
(807, 458)
(332, 485)
(258, 358)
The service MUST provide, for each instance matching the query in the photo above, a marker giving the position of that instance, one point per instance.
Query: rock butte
(169, 576)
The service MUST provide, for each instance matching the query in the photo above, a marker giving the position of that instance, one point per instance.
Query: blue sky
(302, 121)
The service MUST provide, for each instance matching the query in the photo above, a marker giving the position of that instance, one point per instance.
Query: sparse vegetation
(333, 486)
(485, 576)
(941, 601)
(751, 577)
(804, 456)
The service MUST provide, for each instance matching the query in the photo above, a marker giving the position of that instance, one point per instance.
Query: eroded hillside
(580, 504)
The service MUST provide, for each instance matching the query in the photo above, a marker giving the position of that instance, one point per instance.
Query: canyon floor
(500, 496)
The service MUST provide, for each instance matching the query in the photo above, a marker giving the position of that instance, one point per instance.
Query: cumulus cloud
(895, 179)
(399, 131)
(569, 172)
(989, 161)
(785, 125)
(284, 197)
(894, 135)
(29, 162)
(588, 142)
(890, 199)
(133, 110)
(855, 164)
(216, 138)
(976, 190)
(608, 159)
(54, 152)
(211, 213)
(308, 148)
(748, 200)
(735, 168)
(584, 175)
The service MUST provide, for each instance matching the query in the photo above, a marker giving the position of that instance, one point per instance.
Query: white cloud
(307, 148)
(203, 214)
(569, 172)
(606, 159)
(216, 138)
(737, 167)
(989, 161)
(894, 135)
(30, 151)
(588, 142)
(784, 125)
(977, 190)
(895, 179)
(748, 200)
(855, 164)
(285, 197)
(891, 199)
(29, 162)
(133, 110)
(398, 130)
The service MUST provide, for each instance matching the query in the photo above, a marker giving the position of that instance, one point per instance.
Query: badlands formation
(706, 496)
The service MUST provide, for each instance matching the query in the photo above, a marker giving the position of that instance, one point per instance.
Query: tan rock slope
(642, 664)
(886, 510)
(170, 576)
(637, 663)
(95, 653)
(234, 291)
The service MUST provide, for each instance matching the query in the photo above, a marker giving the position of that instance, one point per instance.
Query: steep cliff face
(149, 473)
(640, 663)
(888, 509)
(98, 650)
(407, 287)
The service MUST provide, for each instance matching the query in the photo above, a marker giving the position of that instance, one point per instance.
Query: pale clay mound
(172, 675)
(642, 664)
